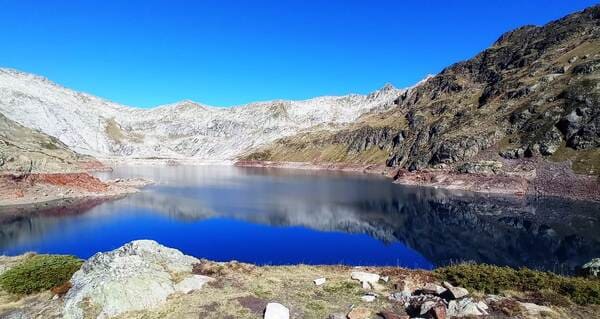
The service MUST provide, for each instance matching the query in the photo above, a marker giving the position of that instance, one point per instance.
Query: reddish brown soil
(81, 181)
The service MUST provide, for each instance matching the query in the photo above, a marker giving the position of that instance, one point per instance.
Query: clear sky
(146, 53)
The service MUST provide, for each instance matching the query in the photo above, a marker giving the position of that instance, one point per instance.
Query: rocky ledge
(144, 279)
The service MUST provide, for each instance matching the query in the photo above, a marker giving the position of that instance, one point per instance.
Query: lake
(282, 216)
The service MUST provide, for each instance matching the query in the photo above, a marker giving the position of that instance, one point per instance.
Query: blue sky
(146, 53)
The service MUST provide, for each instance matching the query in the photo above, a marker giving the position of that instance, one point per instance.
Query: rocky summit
(534, 93)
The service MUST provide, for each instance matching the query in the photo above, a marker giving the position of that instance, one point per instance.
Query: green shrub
(495, 279)
(39, 272)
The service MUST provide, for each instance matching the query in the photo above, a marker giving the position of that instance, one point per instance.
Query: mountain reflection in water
(284, 216)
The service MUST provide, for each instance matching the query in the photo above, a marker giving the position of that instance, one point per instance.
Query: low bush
(495, 279)
(38, 273)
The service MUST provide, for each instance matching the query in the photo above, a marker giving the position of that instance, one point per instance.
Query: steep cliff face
(23, 150)
(97, 127)
(535, 91)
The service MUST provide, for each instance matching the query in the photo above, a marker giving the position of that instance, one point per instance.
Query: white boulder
(276, 311)
(367, 279)
(139, 275)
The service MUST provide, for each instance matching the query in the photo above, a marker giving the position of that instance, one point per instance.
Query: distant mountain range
(91, 125)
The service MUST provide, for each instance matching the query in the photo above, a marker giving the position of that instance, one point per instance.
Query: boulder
(365, 276)
(464, 308)
(368, 280)
(537, 310)
(591, 268)
(432, 289)
(455, 293)
(137, 276)
(276, 311)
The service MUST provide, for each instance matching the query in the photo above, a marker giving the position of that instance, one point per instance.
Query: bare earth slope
(531, 99)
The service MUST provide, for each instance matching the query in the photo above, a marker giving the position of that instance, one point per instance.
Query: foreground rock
(276, 311)
(144, 280)
(137, 276)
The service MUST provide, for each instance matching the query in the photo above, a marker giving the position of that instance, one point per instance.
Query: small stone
(276, 311)
(385, 278)
(359, 313)
(319, 281)
(573, 59)
(368, 298)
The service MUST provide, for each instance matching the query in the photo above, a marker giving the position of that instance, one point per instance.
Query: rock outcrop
(137, 276)
(24, 150)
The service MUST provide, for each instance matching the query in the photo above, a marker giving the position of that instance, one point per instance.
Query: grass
(496, 279)
(582, 161)
(38, 273)
(114, 131)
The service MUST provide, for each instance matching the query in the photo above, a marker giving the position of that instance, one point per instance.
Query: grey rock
(591, 268)
(137, 276)
(464, 308)
(481, 167)
(276, 311)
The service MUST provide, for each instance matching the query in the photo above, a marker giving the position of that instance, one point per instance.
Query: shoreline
(521, 184)
(547, 179)
(43, 190)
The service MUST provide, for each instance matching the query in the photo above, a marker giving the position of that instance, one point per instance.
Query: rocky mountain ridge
(534, 93)
(186, 129)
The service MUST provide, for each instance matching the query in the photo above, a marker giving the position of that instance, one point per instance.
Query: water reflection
(287, 216)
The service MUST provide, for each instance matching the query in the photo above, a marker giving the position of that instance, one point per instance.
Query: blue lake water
(280, 216)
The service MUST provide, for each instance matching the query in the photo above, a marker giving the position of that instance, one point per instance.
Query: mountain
(534, 93)
(25, 150)
(97, 127)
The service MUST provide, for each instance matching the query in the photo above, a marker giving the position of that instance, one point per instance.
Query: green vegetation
(49, 146)
(38, 273)
(495, 279)
(583, 161)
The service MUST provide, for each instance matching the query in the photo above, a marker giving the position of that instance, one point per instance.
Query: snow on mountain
(94, 126)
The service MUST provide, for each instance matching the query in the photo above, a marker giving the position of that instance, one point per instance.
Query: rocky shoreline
(143, 279)
(49, 189)
(534, 177)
